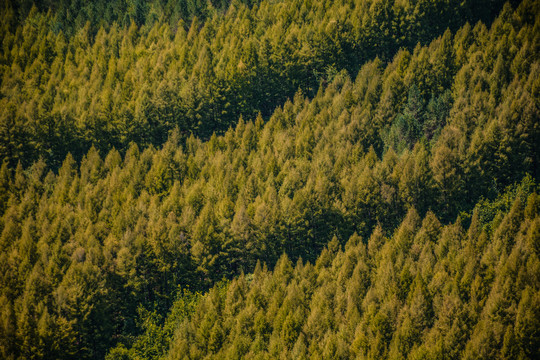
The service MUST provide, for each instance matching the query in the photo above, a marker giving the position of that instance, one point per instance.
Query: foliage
(154, 341)
(450, 293)
(79, 74)
(94, 246)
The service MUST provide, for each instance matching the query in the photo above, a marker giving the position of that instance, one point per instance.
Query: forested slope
(96, 252)
(427, 292)
(71, 80)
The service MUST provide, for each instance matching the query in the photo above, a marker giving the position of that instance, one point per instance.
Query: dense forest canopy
(79, 74)
(165, 164)
(427, 292)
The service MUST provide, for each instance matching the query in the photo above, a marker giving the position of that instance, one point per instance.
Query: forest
(269, 179)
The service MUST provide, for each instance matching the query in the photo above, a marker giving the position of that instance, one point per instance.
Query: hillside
(159, 181)
(108, 73)
(427, 292)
